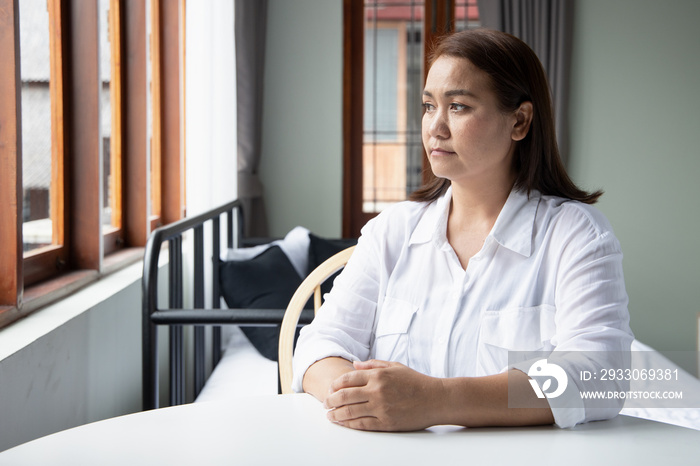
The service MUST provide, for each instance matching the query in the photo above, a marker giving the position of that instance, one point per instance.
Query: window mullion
(156, 110)
(353, 76)
(84, 186)
(116, 107)
(57, 96)
(113, 227)
(135, 137)
(171, 154)
(10, 160)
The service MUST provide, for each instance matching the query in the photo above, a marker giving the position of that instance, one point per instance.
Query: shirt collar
(433, 223)
(513, 228)
(515, 224)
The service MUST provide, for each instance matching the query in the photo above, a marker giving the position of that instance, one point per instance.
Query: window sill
(48, 292)
(24, 332)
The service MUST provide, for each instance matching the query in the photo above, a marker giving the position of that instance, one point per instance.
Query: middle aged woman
(500, 252)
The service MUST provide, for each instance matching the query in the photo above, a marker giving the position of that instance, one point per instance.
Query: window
(42, 149)
(39, 164)
(110, 103)
(76, 171)
(385, 53)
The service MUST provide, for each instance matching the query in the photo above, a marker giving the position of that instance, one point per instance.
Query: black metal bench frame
(174, 316)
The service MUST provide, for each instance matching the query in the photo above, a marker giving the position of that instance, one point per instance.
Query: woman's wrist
(322, 373)
(441, 405)
(451, 401)
(483, 401)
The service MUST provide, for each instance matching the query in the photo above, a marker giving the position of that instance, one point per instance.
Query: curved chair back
(310, 285)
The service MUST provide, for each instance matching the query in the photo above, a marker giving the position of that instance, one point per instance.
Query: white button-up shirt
(548, 277)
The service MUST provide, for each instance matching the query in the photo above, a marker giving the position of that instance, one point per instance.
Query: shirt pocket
(391, 342)
(524, 329)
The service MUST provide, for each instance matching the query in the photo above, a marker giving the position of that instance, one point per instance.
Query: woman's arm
(388, 396)
(483, 401)
(318, 378)
(342, 328)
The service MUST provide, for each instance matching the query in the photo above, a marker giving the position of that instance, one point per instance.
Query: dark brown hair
(517, 76)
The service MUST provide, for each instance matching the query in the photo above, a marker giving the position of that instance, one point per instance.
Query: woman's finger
(349, 412)
(346, 396)
(370, 364)
(349, 379)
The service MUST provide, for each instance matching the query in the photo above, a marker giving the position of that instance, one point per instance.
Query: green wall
(635, 122)
(302, 116)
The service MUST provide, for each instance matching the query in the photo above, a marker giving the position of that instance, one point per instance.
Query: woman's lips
(438, 152)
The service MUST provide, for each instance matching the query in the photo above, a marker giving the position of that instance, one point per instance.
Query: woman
(501, 252)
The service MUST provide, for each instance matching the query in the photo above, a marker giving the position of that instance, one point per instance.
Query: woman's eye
(428, 107)
(458, 107)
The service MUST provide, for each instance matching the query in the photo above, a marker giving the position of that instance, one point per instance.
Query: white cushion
(242, 371)
(295, 245)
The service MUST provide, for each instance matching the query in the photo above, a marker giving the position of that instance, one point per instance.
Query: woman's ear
(523, 119)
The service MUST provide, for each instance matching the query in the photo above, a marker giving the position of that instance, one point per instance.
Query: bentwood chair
(311, 285)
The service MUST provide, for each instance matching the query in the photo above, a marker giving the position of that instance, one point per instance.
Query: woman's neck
(473, 212)
(478, 204)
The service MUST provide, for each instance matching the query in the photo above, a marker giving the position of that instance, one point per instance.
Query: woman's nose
(438, 126)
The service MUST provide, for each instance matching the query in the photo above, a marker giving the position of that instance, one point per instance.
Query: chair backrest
(310, 285)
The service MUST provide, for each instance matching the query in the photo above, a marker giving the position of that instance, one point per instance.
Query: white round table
(293, 429)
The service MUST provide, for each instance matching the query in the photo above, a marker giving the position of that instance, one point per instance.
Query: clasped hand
(384, 396)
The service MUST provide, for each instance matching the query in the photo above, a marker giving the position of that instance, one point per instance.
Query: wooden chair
(311, 285)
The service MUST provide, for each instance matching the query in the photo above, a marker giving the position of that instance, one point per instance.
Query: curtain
(210, 104)
(250, 22)
(545, 25)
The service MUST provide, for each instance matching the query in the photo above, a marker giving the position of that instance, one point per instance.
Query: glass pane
(393, 60)
(466, 15)
(36, 124)
(106, 114)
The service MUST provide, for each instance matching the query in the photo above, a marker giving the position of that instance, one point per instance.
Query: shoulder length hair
(517, 76)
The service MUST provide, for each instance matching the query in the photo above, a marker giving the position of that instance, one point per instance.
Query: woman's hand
(384, 396)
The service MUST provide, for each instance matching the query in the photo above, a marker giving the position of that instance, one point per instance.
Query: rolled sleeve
(567, 409)
(570, 407)
(592, 322)
(343, 325)
(323, 348)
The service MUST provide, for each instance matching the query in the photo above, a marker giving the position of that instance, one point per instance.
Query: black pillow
(266, 281)
(321, 249)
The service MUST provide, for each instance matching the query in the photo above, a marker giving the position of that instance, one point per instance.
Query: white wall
(73, 362)
(302, 116)
(634, 128)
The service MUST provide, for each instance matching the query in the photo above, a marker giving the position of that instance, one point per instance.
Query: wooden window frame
(114, 235)
(172, 148)
(166, 45)
(85, 253)
(371, 151)
(438, 19)
(49, 261)
(11, 261)
(156, 120)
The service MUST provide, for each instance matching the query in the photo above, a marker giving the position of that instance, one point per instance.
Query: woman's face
(466, 136)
